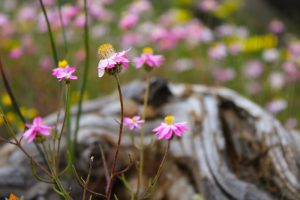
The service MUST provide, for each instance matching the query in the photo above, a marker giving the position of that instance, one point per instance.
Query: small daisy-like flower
(133, 122)
(64, 71)
(169, 127)
(36, 129)
(111, 61)
(148, 59)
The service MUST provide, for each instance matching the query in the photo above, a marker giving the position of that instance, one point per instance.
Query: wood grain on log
(233, 149)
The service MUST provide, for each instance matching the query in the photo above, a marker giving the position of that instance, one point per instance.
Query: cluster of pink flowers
(165, 130)
(64, 71)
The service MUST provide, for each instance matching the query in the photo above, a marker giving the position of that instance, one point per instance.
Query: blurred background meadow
(250, 46)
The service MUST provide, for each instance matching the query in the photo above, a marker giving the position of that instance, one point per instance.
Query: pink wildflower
(253, 69)
(64, 71)
(36, 128)
(133, 122)
(208, 5)
(3, 20)
(140, 7)
(110, 60)
(218, 51)
(149, 59)
(128, 21)
(291, 71)
(276, 26)
(277, 106)
(235, 48)
(223, 74)
(169, 127)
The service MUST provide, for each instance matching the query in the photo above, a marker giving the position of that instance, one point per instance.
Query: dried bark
(233, 150)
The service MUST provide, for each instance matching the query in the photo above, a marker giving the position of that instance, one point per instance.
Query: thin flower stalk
(86, 182)
(151, 187)
(53, 47)
(85, 74)
(67, 92)
(141, 163)
(113, 171)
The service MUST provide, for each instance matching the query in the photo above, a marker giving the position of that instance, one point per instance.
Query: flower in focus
(169, 127)
(133, 122)
(35, 129)
(110, 60)
(128, 21)
(148, 59)
(64, 71)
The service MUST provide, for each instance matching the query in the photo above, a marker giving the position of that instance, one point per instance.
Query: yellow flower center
(62, 63)
(148, 50)
(105, 51)
(169, 119)
(133, 120)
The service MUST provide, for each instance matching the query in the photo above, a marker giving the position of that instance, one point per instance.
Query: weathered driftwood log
(233, 150)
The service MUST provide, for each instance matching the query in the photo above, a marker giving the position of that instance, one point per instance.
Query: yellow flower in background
(32, 112)
(23, 110)
(10, 44)
(227, 8)
(6, 101)
(29, 112)
(1, 120)
(21, 126)
(10, 116)
(184, 2)
(183, 15)
(258, 43)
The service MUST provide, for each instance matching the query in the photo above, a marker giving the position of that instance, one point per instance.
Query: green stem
(54, 52)
(113, 171)
(63, 27)
(67, 91)
(85, 74)
(141, 164)
(17, 109)
(159, 171)
(87, 179)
